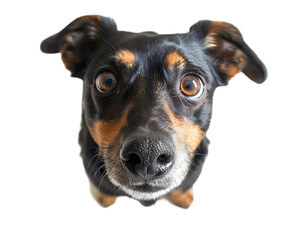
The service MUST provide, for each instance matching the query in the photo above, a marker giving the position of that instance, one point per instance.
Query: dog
(147, 102)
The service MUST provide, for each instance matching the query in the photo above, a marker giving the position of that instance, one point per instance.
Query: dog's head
(147, 98)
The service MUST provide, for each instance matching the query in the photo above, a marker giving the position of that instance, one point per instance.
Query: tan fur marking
(102, 199)
(126, 57)
(105, 133)
(175, 59)
(228, 56)
(218, 27)
(190, 133)
(181, 199)
(68, 57)
(70, 52)
(234, 66)
(210, 41)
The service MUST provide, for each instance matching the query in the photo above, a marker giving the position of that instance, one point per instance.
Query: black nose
(147, 157)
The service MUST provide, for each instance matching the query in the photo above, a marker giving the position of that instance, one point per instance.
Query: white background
(250, 185)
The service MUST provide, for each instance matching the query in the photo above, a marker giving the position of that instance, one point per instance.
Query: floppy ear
(77, 41)
(231, 55)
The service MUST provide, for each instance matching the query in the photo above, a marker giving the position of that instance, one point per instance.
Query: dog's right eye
(191, 86)
(106, 82)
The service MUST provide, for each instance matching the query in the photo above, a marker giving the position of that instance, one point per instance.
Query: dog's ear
(77, 41)
(231, 55)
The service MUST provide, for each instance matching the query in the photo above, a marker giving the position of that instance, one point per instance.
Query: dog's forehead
(147, 49)
(150, 53)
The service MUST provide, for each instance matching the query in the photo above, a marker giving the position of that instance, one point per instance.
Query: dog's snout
(147, 157)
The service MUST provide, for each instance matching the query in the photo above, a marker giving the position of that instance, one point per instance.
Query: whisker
(96, 155)
(95, 166)
(198, 154)
(194, 152)
(97, 171)
(178, 125)
(105, 175)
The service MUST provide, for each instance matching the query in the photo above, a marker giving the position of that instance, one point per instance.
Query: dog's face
(147, 98)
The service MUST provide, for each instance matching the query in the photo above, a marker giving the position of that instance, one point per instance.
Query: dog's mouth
(147, 187)
(145, 191)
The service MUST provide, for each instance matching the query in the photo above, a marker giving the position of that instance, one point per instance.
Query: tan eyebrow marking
(175, 59)
(125, 57)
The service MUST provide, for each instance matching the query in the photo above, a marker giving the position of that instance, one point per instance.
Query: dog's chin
(145, 190)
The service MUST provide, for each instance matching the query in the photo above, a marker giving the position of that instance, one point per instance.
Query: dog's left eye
(191, 86)
(106, 82)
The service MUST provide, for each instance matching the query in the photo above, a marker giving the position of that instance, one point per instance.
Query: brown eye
(106, 82)
(191, 86)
